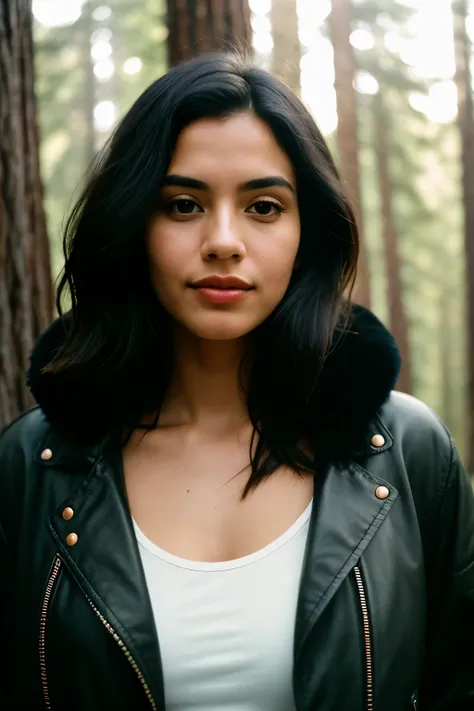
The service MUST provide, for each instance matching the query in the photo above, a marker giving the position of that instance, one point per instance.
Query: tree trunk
(397, 315)
(197, 26)
(463, 50)
(26, 297)
(286, 53)
(347, 131)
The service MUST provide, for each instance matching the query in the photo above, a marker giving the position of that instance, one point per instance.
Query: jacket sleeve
(7, 461)
(448, 678)
(5, 574)
(18, 441)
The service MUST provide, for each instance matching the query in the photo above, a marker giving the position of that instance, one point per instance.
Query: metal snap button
(72, 539)
(381, 492)
(378, 441)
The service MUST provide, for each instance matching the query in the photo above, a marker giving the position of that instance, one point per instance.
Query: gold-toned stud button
(381, 492)
(377, 440)
(68, 513)
(46, 454)
(72, 539)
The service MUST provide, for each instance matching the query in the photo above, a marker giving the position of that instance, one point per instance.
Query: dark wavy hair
(119, 336)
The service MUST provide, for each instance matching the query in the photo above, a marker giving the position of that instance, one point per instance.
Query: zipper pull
(414, 701)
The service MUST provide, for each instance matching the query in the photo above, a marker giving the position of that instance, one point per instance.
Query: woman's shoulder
(20, 449)
(22, 438)
(416, 429)
(424, 451)
(38, 465)
(421, 450)
(402, 404)
(32, 439)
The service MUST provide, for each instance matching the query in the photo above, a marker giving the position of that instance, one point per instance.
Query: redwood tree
(340, 21)
(26, 298)
(396, 309)
(286, 53)
(463, 51)
(204, 25)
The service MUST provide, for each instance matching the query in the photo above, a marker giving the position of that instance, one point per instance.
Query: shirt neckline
(213, 566)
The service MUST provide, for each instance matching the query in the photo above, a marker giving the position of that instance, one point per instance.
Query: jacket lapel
(345, 517)
(106, 563)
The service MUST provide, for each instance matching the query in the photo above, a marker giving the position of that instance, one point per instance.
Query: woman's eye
(266, 208)
(184, 207)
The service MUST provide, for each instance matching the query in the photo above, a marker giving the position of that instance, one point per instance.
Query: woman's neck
(205, 389)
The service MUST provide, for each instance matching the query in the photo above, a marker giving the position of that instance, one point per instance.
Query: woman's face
(228, 215)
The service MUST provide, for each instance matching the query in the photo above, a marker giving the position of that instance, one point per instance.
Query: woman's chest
(188, 502)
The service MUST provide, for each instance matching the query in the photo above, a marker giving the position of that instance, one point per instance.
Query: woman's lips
(215, 295)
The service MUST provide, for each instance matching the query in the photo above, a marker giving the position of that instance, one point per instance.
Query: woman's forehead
(242, 146)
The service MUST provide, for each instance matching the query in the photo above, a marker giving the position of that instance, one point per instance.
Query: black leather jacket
(385, 618)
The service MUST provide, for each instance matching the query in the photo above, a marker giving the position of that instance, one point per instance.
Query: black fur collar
(356, 380)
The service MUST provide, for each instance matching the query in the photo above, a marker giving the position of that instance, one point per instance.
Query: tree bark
(398, 322)
(463, 79)
(26, 296)
(347, 130)
(286, 54)
(197, 26)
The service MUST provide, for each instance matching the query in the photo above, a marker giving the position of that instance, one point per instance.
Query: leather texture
(414, 550)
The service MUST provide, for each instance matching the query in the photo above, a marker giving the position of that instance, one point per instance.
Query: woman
(219, 504)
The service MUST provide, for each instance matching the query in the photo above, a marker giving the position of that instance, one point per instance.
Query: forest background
(389, 82)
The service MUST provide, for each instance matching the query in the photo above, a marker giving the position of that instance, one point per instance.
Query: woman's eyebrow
(183, 181)
(270, 182)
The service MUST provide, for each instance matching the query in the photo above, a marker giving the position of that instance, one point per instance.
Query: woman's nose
(223, 238)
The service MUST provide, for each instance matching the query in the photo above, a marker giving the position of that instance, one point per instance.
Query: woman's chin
(224, 330)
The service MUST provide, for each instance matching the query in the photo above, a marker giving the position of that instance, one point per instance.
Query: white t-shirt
(226, 629)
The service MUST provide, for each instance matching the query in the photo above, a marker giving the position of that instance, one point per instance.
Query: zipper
(42, 639)
(42, 635)
(414, 701)
(127, 653)
(367, 638)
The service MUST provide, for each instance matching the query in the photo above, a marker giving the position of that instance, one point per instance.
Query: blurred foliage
(66, 96)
